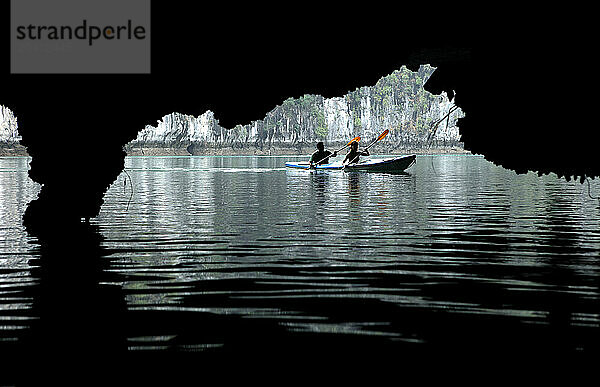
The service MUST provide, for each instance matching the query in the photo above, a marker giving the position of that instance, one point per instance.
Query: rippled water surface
(215, 253)
(17, 250)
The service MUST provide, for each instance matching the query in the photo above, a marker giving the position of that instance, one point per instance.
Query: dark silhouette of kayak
(393, 164)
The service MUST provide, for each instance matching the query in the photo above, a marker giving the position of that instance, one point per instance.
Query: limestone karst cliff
(9, 134)
(397, 102)
(418, 121)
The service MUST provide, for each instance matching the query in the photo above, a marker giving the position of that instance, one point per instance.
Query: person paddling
(321, 156)
(353, 154)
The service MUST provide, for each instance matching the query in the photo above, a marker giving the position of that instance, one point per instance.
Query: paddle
(357, 139)
(381, 136)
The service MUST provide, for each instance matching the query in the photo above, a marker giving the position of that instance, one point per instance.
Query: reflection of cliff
(397, 102)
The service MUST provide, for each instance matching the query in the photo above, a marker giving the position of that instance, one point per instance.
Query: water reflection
(320, 183)
(354, 192)
(18, 251)
(54, 295)
(79, 312)
(454, 241)
(223, 255)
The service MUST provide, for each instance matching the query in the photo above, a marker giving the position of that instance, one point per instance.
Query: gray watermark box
(80, 37)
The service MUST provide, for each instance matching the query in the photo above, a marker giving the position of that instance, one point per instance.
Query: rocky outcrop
(417, 120)
(397, 102)
(9, 134)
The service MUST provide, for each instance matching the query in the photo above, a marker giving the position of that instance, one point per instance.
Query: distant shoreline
(21, 151)
(13, 150)
(279, 151)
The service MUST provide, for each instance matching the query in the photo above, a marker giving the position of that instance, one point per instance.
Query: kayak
(393, 164)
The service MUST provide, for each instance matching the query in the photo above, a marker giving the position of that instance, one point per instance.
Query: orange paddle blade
(382, 135)
(357, 139)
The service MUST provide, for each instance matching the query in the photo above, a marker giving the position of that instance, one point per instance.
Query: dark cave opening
(519, 114)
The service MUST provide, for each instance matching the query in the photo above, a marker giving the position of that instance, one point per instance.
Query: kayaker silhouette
(321, 156)
(353, 154)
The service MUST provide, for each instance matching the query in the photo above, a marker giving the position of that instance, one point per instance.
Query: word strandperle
(91, 33)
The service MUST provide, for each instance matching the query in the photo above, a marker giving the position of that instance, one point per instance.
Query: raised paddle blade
(357, 139)
(382, 135)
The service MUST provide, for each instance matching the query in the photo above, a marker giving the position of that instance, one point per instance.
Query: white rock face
(8, 126)
(338, 119)
(397, 102)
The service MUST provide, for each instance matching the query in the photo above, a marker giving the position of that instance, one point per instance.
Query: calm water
(214, 254)
(18, 251)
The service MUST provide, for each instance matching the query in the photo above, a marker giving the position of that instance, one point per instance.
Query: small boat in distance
(393, 164)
